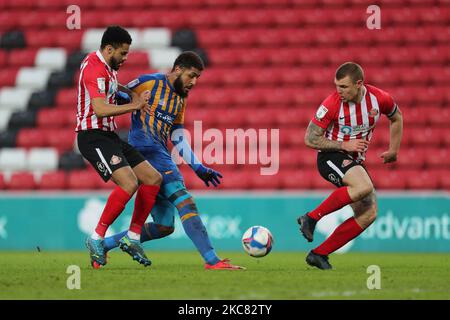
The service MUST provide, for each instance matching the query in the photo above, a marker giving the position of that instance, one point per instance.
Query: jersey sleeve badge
(321, 112)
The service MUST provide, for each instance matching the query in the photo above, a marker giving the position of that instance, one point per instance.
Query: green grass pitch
(180, 275)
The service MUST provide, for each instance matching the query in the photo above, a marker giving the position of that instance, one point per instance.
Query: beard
(179, 87)
(114, 64)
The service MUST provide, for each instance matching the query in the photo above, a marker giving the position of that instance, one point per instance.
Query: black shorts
(334, 165)
(107, 152)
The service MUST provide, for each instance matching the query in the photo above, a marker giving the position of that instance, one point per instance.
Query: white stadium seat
(42, 159)
(51, 58)
(13, 159)
(4, 118)
(163, 58)
(14, 98)
(33, 78)
(155, 38)
(92, 38)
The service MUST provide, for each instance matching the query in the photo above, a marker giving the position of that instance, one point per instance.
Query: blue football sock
(152, 233)
(196, 231)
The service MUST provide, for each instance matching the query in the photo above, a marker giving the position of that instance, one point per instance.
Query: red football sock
(345, 232)
(338, 199)
(143, 205)
(117, 201)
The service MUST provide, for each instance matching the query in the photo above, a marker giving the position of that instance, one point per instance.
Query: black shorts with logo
(334, 165)
(107, 152)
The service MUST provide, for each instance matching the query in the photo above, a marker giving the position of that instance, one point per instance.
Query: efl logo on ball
(257, 241)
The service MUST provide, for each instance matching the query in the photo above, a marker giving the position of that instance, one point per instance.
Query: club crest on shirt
(101, 85)
(115, 160)
(346, 162)
(373, 112)
(321, 112)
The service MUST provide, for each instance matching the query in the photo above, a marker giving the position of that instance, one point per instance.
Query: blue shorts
(164, 211)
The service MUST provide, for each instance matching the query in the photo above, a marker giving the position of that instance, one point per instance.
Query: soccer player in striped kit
(111, 157)
(149, 134)
(341, 131)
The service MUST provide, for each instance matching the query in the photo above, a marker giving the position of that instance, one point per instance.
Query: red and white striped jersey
(97, 79)
(344, 121)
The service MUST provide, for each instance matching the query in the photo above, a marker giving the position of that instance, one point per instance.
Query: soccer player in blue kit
(149, 134)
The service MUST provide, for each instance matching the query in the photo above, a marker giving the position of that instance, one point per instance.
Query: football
(257, 241)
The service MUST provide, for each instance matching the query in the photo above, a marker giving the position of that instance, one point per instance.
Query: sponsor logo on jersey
(346, 129)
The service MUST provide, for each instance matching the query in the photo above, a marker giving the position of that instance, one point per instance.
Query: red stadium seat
(69, 40)
(2, 182)
(62, 140)
(8, 77)
(292, 137)
(437, 157)
(295, 178)
(53, 181)
(413, 158)
(67, 97)
(22, 57)
(55, 118)
(39, 38)
(83, 180)
(21, 181)
(424, 180)
(30, 138)
(390, 179)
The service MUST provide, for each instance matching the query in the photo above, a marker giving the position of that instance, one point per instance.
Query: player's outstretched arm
(103, 109)
(180, 142)
(396, 132)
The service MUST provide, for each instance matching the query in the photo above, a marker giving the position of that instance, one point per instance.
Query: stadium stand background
(270, 63)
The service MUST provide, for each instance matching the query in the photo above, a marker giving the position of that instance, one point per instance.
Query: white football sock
(133, 235)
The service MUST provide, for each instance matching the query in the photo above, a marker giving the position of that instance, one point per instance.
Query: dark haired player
(149, 134)
(111, 157)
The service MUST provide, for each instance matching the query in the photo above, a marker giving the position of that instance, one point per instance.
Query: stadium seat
(42, 159)
(437, 157)
(30, 138)
(390, 179)
(21, 181)
(14, 98)
(413, 158)
(55, 180)
(295, 178)
(83, 180)
(13, 159)
(21, 57)
(424, 180)
(2, 182)
(55, 118)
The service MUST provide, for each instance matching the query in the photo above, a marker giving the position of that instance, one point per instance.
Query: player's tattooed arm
(314, 138)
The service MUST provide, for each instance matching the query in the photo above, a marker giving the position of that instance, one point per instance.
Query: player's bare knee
(154, 178)
(362, 191)
(130, 184)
